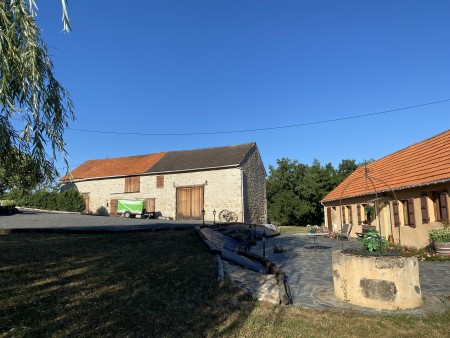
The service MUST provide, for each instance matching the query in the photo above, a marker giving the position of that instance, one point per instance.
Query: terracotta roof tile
(421, 163)
(122, 166)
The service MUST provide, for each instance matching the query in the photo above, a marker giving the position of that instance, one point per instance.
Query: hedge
(69, 200)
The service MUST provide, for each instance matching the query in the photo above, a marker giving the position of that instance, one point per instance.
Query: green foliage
(294, 190)
(102, 211)
(440, 235)
(69, 200)
(34, 107)
(7, 203)
(21, 173)
(372, 241)
(369, 210)
(345, 168)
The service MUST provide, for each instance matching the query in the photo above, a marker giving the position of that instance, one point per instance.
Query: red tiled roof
(122, 166)
(421, 163)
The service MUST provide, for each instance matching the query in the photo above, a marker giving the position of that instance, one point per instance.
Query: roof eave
(393, 189)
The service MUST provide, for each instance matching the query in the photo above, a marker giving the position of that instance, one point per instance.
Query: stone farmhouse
(178, 184)
(403, 194)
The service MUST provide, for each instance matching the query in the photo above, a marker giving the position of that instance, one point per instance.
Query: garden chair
(345, 232)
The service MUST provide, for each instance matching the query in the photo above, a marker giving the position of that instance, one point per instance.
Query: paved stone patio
(311, 282)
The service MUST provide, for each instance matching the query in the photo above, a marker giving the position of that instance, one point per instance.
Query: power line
(70, 166)
(260, 129)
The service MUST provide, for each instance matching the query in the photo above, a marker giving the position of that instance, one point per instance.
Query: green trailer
(131, 208)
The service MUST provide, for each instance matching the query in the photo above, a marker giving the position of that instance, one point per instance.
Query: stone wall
(389, 283)
(222, 190)
(254, 184)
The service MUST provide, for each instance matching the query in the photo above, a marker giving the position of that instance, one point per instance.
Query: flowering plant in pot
(441, 239)
(314, 229)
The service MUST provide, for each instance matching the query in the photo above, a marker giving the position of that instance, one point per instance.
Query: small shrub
(102, 211)
(373, 242)
(7, 203)
(278, 248)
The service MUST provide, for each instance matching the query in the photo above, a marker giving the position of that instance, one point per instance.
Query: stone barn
(178, 184)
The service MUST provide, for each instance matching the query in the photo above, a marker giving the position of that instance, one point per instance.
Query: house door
(190, 202)
(329, 221)
(86, 202)
(113, 207)
(150, 204)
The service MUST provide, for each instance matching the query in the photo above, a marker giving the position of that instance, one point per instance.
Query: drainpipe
(324, 215)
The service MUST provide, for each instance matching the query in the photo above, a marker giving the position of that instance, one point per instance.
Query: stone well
(378, 282)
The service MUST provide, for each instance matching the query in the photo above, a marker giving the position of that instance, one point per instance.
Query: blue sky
(176, 67)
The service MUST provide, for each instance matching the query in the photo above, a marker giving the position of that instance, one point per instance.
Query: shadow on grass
(115, 284)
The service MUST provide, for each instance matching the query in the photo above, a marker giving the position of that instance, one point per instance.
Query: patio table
(314, 236)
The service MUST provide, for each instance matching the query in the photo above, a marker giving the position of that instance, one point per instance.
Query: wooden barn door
(113, 207)
(190, 202)
(150, 204)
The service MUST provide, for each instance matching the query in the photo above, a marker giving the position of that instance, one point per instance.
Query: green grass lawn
(292, 229)
(160, 284)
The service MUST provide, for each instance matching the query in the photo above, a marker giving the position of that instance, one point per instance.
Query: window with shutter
(396, 214)
(343, 215)
(411, 220)
(132, 184)
(440, 205)
(350, 215)
(159, 181)
(358, 212)
(443, 202)
(424, 207)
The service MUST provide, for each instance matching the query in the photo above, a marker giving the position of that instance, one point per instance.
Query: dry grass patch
(292, 229)
(265, 320)
(120, 284)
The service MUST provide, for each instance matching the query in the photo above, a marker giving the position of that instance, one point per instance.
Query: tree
(294, 190)
(284, 204)
(34, 107)
(22, 175)
(345, 168)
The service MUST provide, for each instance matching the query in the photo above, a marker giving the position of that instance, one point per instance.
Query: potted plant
(373, 242)
(441, 239)
(370, 212)
(314, 229)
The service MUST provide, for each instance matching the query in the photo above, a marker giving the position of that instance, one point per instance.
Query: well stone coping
(378, 282)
